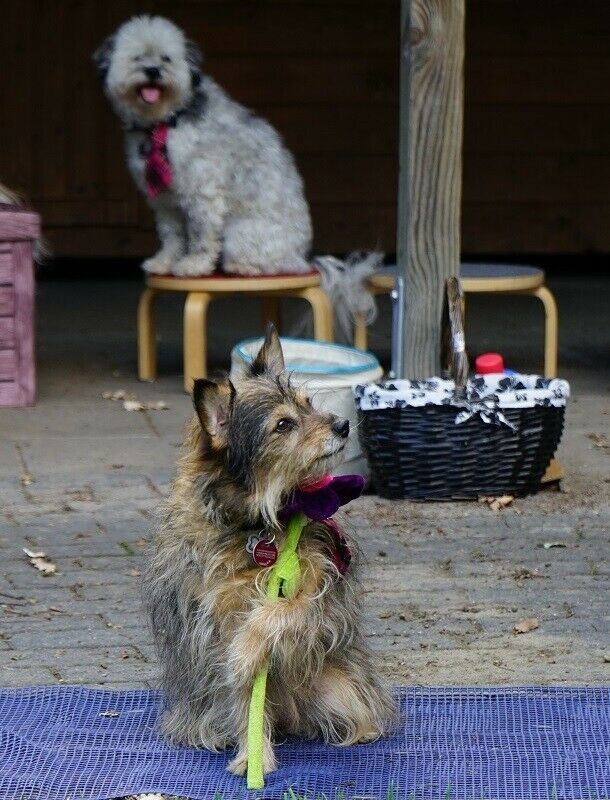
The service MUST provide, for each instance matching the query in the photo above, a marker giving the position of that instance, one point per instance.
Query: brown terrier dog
(247, 449)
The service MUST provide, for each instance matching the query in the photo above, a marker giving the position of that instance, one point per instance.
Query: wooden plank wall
(537, 118)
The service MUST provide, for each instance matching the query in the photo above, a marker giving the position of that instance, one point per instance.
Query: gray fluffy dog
(229, 187)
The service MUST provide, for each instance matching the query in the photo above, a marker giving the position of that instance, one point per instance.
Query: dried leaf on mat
(526, 625)
(26, 478)
(600, 440)
(40, 561)
(548, 545)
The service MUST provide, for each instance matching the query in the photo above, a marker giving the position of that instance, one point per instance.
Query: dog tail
(345, 282)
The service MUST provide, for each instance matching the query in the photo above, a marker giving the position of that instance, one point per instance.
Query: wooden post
(431, 111)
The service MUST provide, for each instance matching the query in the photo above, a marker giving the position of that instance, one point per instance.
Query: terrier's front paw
(160, 264)
(239, 764)
(368, 737)
(194, 265)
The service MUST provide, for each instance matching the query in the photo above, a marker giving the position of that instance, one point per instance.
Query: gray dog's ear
(102, 56)
(194, 58)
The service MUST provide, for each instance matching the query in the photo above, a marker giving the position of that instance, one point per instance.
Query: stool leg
(360, 332)
(147, 345)
(195, 337)
(322, 313)
(271, 312)
(550, 330)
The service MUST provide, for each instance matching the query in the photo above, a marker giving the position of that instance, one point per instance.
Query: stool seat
(199, 293)
(476, 278)
(233, 283)
(488, 278)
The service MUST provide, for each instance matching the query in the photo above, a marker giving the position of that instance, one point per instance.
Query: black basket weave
(419, 452)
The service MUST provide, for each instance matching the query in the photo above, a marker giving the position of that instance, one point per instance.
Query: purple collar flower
(320, 500)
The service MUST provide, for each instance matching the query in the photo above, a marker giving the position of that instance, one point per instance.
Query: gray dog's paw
(192, 266)
(158, 265)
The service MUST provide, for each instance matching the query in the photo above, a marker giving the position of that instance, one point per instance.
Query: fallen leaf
(127, 548)
(133, 405)
(525, 574)
(548, 545)
(138, 405)
(385, 615)
(26, 478)
(501, 502)
(40, 561)
(526, 625)
(135, 573)
(108, 713)
(118, 394)
(599, 440)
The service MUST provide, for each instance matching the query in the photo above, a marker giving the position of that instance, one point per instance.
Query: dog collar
(170, 122)
(318, 500)
(196, 108)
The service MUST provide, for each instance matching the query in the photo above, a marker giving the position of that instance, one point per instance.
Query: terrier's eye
(285, 424)
(167, 59)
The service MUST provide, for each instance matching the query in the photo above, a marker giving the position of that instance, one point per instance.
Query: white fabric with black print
(485, 395)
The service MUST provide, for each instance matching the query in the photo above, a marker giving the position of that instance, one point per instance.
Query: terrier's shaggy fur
(235, 189)
(248, 447)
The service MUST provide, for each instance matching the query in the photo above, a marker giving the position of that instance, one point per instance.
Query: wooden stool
(201, 291)
(488, 278)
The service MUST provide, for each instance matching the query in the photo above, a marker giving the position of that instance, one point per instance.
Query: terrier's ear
(102, 56)
(270, 359)
(194, 58)
(213, 403)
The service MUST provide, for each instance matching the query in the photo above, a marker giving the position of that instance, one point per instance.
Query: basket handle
(453, 346)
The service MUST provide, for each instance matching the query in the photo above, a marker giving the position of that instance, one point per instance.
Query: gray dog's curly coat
(235, 191)
(249, 445)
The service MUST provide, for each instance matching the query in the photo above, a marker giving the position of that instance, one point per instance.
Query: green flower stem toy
(313, 502)
(285, 574)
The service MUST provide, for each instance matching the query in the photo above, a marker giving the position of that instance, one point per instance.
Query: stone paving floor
(443, 585)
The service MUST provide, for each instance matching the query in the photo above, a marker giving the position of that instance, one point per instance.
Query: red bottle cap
(489, 363)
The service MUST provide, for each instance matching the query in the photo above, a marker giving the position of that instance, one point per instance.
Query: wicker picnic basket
(442, 439)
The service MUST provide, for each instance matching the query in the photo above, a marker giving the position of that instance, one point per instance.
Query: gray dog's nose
(341, 428)
(152, 73)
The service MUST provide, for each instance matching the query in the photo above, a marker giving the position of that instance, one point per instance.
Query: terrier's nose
(341, 428)
(152, 73)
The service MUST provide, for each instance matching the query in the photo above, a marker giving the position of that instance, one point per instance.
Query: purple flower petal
(322, 503)
(348, 487)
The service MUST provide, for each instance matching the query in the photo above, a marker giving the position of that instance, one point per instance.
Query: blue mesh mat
(69, 743)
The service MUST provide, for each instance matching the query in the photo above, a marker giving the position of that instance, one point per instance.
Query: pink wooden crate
(18, 230)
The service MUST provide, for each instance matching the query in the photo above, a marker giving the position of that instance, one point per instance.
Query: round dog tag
(264, 553)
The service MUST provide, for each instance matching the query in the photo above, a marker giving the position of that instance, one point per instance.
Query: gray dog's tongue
(150, 94)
